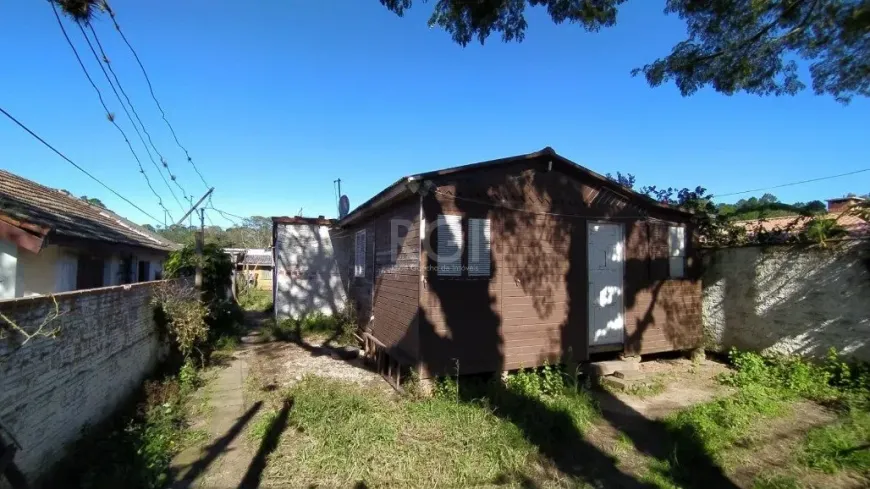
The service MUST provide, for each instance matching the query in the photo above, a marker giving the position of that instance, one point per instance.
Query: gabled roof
(46, 211)
(400, 188)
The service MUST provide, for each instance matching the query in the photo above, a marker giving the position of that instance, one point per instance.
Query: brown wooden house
(513, 262)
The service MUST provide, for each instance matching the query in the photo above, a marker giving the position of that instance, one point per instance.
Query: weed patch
(256, 300)
(339, 327)
(345, 434)
(135, 450)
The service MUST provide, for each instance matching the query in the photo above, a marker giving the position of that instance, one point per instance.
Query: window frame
(680, 256)
(443, 221)
(486, 258)
(359, 255)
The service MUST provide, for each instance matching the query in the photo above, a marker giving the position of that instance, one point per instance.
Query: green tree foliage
(732, 45)
(93, 201)
(216, 269)
(252, 232)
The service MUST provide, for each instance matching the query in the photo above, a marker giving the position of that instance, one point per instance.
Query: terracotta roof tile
(68, 216)
(854, 225)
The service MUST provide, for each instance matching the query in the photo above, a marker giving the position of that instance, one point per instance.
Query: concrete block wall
(51, 388)
(789, 299)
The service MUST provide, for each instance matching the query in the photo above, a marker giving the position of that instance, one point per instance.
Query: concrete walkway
(224, 461)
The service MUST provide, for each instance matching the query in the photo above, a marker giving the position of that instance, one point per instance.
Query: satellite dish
(343, 206)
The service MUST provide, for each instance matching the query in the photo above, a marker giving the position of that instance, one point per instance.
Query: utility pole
(200, 236)
(200, 240)
(338, 181)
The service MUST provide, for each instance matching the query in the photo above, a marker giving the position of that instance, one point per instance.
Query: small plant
(548, 380)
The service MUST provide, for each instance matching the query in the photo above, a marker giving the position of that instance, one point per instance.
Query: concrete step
(629, 374)
(610, 367)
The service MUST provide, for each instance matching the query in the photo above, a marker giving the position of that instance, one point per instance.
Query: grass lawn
(532, 430)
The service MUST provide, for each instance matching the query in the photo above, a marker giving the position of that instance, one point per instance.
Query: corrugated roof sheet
(68, 216)
(261, 260)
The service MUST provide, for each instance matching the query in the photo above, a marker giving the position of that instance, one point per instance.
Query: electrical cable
(109, 114)
(79, 168)
(151, 89)
(792, 183)
(130, 117)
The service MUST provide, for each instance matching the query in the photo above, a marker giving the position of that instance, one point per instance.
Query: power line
(43, 141)
(132, 122)
(109, 114)
(151, 89)
(132, 107)
(130, 117)
(793, 183)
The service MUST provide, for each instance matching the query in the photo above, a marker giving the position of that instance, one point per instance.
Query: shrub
(216, 269)
(184, 315)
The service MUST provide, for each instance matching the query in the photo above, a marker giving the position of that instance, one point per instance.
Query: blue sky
(277, 99)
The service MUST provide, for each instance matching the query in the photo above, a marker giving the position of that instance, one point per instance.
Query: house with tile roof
(51, 241)
(839, 209)
(255, 265)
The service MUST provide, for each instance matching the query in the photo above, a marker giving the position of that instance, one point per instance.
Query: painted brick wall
(50, 388)
(789, 299)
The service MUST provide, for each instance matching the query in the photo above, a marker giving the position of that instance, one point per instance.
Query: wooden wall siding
(359, 289)
(534, 306)
(661, 313)
(397, 280)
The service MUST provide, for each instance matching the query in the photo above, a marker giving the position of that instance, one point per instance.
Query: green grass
(343, 434)
(256, 300)
(339, 327)
(765, 388)
(261, 425)
(842, 445)
(776, 482)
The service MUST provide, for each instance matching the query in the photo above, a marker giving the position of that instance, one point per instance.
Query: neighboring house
(509, 263)
(307, 275)
(785, 228)
(254, 265)
(53, 242)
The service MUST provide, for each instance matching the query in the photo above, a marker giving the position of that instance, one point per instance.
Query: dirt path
(224, 460)
(227, 459)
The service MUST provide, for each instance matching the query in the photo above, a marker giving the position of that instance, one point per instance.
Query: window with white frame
(478, 248)
(449, 247)
(677, 251)
(359, 258)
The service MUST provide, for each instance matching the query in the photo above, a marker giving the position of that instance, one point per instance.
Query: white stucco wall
(789, 299)
(8, 267)
(54, 269)
(308, 278)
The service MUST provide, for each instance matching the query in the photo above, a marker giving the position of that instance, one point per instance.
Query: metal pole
(200, 236)
(200, 239)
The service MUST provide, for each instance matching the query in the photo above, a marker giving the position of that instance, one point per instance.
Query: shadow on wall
(462, 324)
(309, 276)
(795, 299)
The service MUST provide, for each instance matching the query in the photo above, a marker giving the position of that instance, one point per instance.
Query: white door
(605, 259)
